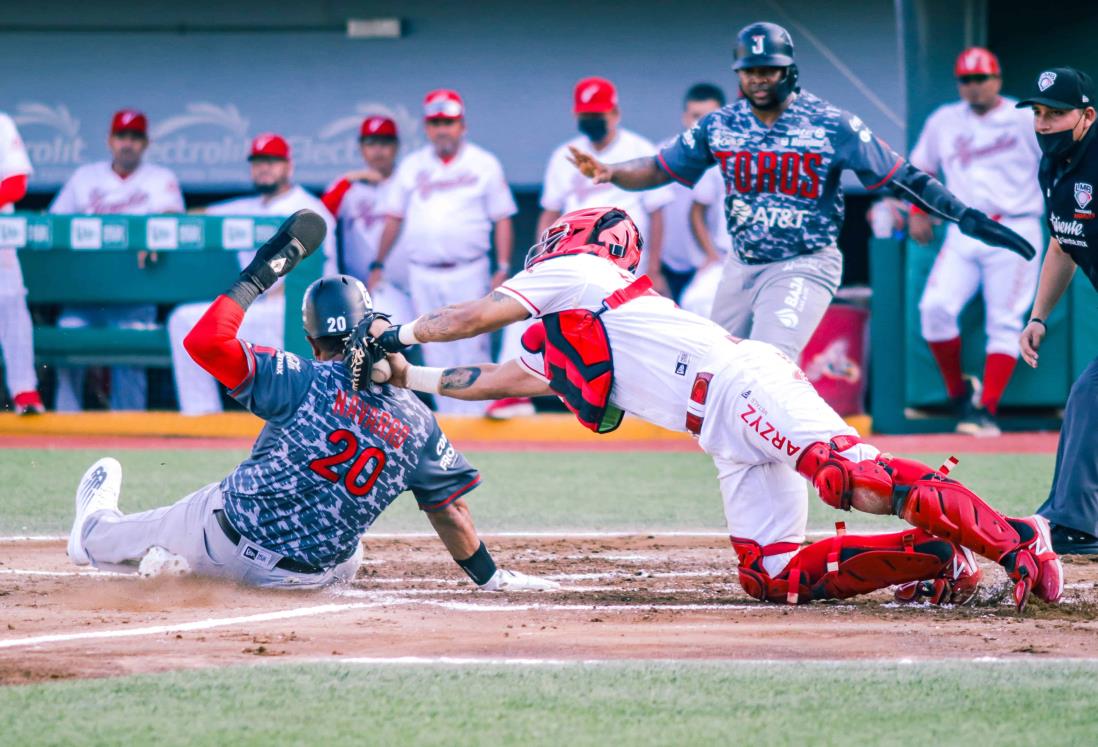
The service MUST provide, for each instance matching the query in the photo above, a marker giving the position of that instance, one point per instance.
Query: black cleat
(1068, 541)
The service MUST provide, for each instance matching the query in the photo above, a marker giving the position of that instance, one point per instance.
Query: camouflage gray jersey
(783, 195)
(329, 460)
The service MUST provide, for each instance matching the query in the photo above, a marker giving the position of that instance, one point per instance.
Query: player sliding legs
(607, 344)
(330, 459)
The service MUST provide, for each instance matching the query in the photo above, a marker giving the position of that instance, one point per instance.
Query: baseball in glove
(362, 354)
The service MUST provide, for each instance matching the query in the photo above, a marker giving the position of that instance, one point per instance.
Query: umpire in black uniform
(1063, 101)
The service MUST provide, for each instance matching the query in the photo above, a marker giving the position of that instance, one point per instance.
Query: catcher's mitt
(361, 351)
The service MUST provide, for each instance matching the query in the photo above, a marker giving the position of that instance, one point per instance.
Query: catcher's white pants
(760, 415)
(188, 528)
(16, 332)
(965, 265)
(433, 288)
(198, 392)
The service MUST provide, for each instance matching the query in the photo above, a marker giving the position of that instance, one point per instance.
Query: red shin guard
(844, 566)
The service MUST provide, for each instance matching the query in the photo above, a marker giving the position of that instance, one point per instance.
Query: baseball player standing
(16, 331)
(123, 185)
(276, 195)
(985, 151)
(595, 104)
(607, 345)
(330, 459)
(781, 152)
(1063, 103)
(355, 200)
(448, 201)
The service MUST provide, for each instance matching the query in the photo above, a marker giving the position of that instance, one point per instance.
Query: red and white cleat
(1034, 567)
(28, 403)
(509, 407)
(957, 585)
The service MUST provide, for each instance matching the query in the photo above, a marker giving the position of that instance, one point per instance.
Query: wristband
(376, 265)
(423, 379)
(406, 333)
(1039, 321)
(479, 566)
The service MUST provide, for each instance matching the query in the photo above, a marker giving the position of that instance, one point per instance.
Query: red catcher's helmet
(976, 61)
(603, 231)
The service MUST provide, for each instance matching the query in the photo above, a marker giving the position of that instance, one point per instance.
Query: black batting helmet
(765, 44)
(334, 305)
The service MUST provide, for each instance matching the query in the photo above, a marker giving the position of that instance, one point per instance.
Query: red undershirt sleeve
(334, 196)
(213, 343)
(13, 189)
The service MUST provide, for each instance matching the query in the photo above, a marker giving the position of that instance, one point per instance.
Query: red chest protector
(578, 360)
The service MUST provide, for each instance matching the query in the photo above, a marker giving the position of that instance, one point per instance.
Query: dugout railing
(84, 260)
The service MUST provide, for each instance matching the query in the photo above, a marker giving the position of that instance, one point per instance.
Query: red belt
(695, 408)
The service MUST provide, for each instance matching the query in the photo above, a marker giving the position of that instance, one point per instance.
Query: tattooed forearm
(443, 324)
(459, 378)
(497, 297)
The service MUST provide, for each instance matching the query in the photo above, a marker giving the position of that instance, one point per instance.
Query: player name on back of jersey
(384, 425)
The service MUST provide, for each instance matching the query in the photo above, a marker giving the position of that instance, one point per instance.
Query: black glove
(361, 351)
(977, 225)
(297, 238)
(389, 340)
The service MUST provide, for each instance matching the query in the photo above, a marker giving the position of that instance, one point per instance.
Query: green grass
(592, 704)
(521, 491)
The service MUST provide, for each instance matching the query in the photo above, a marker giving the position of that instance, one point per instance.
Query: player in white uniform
(695, 237)
(356, 200)
(447, 200)
(265, 324)
(607, 344)
(985, 151)
(595, 104)
(16, 331)
(123, 185)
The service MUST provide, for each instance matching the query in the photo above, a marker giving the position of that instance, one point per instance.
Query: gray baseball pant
(778, 302)
(189, 528)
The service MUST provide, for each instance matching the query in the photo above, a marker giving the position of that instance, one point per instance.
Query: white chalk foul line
(92, 574)
(323, 609)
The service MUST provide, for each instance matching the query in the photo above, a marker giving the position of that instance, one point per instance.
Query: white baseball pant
(16, 331)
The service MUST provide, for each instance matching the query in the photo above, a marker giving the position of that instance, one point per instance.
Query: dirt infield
(630, 597)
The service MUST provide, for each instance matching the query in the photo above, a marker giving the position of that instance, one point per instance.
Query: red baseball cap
(443, 103)
(378, 126)
(976, 61)
(270, 145)
(595, 96)
(129, 120)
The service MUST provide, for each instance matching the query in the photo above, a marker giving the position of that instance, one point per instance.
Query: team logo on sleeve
(1084, 193)
(1046, 79)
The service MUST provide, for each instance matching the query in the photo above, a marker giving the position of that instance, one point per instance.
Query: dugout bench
(906, 388)
(93, 261)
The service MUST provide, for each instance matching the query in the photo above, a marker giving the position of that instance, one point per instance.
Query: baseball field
(650, 640)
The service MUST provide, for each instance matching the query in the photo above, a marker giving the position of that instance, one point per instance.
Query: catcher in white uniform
(608, 345)
(277, 195)
(124, 185)
(985, 151)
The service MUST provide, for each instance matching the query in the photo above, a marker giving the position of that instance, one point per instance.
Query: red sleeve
(334, 196)
(13, 189)
(213, 343)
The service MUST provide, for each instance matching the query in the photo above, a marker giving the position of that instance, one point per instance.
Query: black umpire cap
(1061, 88)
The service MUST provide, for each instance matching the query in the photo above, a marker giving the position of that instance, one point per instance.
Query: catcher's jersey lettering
(767, 431)
(783, 195)
(327, 463)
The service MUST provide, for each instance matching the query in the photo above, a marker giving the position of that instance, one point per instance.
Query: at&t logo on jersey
(768, 217)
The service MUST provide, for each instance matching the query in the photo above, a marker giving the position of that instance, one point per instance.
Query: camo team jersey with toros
(329, 460)
(783, 195)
